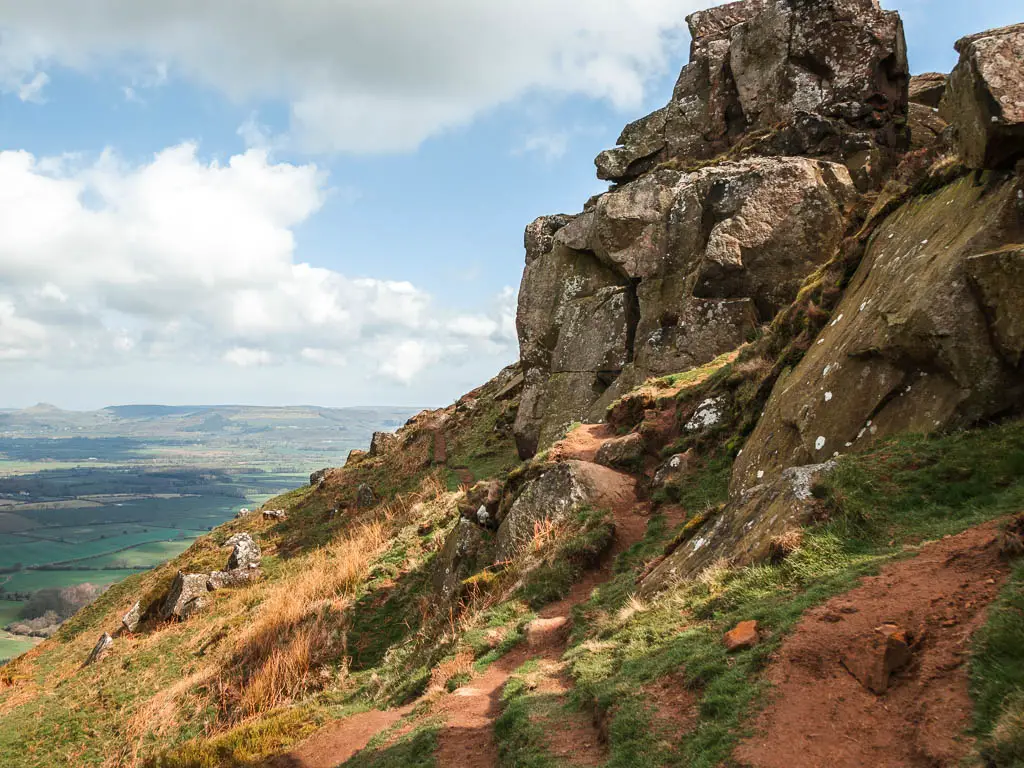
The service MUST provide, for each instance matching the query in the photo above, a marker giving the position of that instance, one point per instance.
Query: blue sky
(309, 203)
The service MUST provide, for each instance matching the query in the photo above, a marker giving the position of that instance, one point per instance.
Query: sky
(310, 202)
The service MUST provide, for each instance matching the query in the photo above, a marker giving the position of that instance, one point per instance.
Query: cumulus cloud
(360, 76)
(180, 259)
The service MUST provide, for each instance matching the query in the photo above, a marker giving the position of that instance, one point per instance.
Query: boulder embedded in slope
(468, 549)
(924, 339)
(985, 98)
(625, 453)
(382, 442)
(131, 620)
(238, 577)
(101, 649)
(245, 553)
(186, 596)
(555, 497)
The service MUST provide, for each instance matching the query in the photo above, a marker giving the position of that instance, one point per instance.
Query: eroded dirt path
(335, 743)
(821, 715)
(466, 740)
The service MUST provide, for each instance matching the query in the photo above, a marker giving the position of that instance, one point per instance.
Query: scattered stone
(365, 497)
(1011, 539)
(274, 514)
(237, 577)
(874, 658)
(131, 620)
(985, 98)
(624, 453)
(186, 596)
(246, 552)
(546, 632)
(103, 646)
(243, 512)
(741, 637)
(318, 477)
(485, 498)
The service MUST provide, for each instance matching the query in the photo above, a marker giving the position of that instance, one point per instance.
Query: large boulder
(382, 442)
(757, 64)
(238, 577)
(985, 98)
(555, 497)
(186, 596)
(245, 551)
(928, 336)
(664, 274)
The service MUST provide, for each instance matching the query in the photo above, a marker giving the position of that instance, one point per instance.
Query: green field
(11, 646)
(30, 581)
(143, 556)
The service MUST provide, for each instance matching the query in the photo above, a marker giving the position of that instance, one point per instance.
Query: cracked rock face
(663, 274)
(985, 98)
(928, 337)
(760, 63)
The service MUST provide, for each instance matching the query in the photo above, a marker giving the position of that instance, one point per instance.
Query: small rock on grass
(103, 646)
(133, 618)
(744, 635)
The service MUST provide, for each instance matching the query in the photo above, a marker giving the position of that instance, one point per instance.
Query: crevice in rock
(632, 303)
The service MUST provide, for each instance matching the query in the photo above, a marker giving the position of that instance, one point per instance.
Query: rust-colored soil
(581, 444)
(821, 716)
(466, 740)
(337, 742)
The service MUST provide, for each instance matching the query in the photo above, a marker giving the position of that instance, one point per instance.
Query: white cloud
(32, 90)
(551, 146)
(360, 76)
(181, 260)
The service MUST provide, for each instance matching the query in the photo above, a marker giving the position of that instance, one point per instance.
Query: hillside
(753, 495)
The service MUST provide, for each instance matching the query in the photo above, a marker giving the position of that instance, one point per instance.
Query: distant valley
(91, 497)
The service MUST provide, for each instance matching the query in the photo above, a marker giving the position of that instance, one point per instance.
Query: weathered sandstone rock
(927, 337)
(318, 477)
(237, 577)
(245, 553)
(468, 549)
(664, 274)
(382, 442)
(186, 596)
(985, 98)
(556, 496)
(131, 620)
(927, 89)
(624, 452)
(365, 497)
(760, 63)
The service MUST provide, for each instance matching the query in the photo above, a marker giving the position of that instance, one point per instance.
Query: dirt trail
(337, 742)
(821, 715)
(467, 738)
(581, 444)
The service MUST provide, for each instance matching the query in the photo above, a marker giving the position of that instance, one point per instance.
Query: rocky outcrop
(625, 453)
(237, 577)
(245, 552)
(186, 596)
(318, 477)
(985, 98)
(830, 70)
(382, 442)
(664, 274)
(927, 337)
